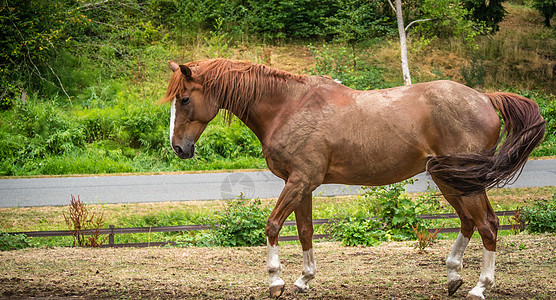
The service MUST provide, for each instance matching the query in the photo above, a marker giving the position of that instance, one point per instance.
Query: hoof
(474, 297)
(299, 290)
(276, 291)
(454, 285)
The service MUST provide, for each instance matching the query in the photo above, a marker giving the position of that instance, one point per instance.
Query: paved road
(186, 187)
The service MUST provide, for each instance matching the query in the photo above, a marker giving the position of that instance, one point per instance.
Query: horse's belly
(360, 165)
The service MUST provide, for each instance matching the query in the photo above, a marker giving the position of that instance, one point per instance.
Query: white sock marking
(486, 280)
(309, 270)
(274, 267)
(455, 259)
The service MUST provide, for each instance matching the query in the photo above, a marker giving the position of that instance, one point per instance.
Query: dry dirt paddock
(526, 269)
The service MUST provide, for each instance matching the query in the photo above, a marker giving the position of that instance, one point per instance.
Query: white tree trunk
(403, 43)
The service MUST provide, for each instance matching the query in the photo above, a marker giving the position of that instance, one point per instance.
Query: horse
(314, 130)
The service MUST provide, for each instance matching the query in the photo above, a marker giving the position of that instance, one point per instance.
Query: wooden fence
(112, 231)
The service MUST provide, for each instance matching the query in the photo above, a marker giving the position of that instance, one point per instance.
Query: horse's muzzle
(186, 151)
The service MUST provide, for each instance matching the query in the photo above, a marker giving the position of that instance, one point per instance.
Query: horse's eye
(184, 100)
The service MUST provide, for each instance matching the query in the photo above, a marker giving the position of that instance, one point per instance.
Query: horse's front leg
(304, 220)
(293, 194)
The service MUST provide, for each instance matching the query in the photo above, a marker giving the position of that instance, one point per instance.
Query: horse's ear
(185, 71)
(174, 66)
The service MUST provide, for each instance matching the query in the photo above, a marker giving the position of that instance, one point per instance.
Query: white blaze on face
(172, 118)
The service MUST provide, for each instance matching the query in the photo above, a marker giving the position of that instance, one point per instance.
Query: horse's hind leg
(474, 211)
(486, 222)
(304, 221)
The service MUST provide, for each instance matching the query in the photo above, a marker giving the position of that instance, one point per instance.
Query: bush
(395, 216)
(353, 231)
(13, 241)
(241, 223)
(541, 215)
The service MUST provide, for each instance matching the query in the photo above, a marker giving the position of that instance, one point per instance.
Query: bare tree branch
(422, 20)
(61, 85)
(392, 6)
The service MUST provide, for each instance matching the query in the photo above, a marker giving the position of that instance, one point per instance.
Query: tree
(547, 8)
(491, 12)
(32, 32)
(403, 42)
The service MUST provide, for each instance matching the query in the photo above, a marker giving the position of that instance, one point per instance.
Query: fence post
(111, 236)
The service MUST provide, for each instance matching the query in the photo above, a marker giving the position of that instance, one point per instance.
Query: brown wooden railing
(111, 231)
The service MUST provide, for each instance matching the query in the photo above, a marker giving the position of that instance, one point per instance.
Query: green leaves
(385, 213)
(13, 241)
(540, 215)
(241, 223)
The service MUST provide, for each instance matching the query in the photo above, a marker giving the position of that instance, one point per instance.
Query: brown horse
(314, 130)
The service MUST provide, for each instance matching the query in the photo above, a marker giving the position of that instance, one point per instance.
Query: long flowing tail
(474, 173)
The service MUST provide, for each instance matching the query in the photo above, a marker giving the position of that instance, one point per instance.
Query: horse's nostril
(178, 150)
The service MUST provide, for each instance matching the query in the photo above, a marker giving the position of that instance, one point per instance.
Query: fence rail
(112, 231)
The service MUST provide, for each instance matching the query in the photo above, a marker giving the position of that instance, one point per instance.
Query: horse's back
(388, 135)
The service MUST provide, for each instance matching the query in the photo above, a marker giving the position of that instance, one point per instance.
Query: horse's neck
(268, 113)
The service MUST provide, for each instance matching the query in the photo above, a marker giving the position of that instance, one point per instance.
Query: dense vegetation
(81, 79)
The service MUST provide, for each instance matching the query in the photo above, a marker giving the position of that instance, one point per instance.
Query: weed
(424, 237)
(85, 225)
(517, 222)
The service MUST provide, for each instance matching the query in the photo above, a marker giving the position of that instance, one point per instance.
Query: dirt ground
(526, 269)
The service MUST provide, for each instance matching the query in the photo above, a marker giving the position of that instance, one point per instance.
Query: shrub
(13, 241)
(353, 231)
(541, 215)
(241, 223)
(395, 216)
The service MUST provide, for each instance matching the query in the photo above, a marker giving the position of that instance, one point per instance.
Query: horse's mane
(232, 85)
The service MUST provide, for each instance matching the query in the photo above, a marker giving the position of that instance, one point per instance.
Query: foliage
(342, 64)
(345, 20)
(10, 242)
(490, 12)
(395, 216)
(356, 20)
(84, 224)
(395, 209)
(240, 223)
(540, 216)
(473, 73)
(446, 19)
(33, 30)
(353, 231)
(106, 57)
(547, 8)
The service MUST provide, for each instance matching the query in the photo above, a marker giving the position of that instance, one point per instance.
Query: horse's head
(190, 113)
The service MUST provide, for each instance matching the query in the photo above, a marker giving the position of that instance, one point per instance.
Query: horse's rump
(473, 173)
